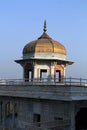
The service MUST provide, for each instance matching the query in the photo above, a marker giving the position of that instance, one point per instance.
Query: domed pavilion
(44, 59)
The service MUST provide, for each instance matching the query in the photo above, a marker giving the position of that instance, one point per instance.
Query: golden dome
(44, 44)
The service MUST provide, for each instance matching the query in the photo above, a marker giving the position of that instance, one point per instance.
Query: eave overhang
(65, 62)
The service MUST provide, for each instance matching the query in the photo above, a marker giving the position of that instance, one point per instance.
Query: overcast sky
(21, 21)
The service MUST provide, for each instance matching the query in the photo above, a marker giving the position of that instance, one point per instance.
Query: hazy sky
(21, 21)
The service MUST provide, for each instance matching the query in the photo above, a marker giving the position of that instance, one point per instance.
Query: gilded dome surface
(44, 44)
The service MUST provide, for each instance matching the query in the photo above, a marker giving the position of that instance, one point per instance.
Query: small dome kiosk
(44, 59)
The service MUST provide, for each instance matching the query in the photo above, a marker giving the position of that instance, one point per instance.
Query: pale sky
(21, 21)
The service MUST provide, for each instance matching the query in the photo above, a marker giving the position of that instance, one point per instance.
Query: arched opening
(58, 76)
(81, 119)
(58, 73)
(28, 72)
(43, 74)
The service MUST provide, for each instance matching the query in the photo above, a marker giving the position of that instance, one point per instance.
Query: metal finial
(45, 28)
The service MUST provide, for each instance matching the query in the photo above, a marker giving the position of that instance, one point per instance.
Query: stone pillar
(23, 66)
(13, 114)
(72, 116)
(35, 72)
(24, 72)
(52, 71)
(64, 71)
(0, 112)
(48, 74)
(3, 113)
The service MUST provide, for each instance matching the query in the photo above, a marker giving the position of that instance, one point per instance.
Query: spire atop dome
(45, 28)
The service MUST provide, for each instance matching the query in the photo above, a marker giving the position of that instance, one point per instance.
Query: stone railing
(45, 81)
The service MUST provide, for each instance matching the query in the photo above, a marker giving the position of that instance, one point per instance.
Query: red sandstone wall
(60, 69)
